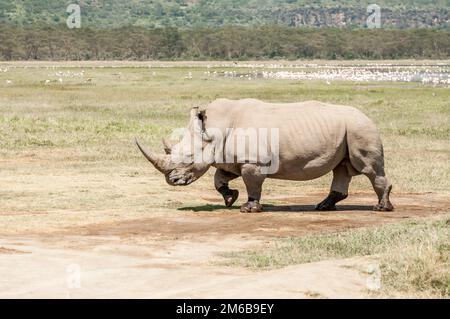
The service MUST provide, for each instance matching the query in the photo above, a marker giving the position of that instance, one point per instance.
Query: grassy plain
(67, 156)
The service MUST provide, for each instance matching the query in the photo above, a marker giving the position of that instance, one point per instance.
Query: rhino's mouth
(180, 180)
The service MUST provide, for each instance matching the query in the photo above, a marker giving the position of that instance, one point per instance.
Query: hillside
(216, 13)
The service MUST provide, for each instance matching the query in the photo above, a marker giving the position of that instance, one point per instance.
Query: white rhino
(314, 138)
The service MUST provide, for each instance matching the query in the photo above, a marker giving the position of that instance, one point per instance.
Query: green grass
(121, 103)
(414, 255)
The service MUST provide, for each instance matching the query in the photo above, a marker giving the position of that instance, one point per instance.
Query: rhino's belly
(302, 167)
(300, 171)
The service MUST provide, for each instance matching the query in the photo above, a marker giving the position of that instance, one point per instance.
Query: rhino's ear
(198, 120)
(198, 114)
(201, 118)
(201, 115)
(194, 113)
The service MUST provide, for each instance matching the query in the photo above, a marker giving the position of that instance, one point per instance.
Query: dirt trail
(162, 270)
(175, 254)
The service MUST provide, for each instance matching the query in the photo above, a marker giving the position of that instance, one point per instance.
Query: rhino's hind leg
(371, 164)
(253, 180)
(339, 188)
(221, 179)
(383, 188)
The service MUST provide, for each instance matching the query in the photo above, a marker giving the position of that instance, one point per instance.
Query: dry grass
(414, 256)
(101, 117)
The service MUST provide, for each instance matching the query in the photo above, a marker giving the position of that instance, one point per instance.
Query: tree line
(215, 13)
(220, 43)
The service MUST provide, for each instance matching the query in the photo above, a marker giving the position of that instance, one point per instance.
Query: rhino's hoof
(251, 207)
(383, 207)
(231, 197)
(326, 205)
(329, 203)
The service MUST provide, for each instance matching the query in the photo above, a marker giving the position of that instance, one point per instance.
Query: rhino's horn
(167, 146)
(160, 161)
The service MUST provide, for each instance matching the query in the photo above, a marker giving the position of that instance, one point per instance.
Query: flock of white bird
(436, 74)
(234, 74)
(434, 77)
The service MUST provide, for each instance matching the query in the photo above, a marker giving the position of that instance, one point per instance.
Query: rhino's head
(185, 162)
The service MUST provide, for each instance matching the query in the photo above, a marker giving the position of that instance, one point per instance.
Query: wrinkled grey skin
(314, 139)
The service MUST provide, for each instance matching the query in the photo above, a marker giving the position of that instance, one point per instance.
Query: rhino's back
(309, 118)
(256, 113)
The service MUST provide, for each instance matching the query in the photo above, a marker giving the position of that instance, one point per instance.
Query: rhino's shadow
(312, 208)
(278, 208)
(207, 208)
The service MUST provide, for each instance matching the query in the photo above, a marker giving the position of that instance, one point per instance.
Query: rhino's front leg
(221, 179)
(253, 179)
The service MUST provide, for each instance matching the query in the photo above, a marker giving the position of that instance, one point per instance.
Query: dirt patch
(4, 250)
(293, 216)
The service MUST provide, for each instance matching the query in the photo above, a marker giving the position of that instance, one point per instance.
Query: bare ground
(170, 255)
